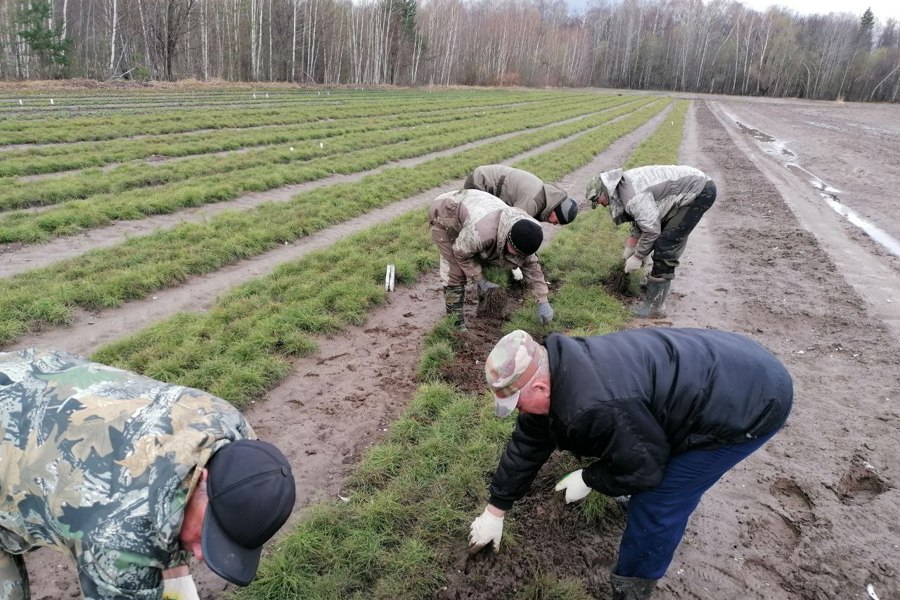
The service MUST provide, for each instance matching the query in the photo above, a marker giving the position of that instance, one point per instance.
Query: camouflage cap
(594, 188)
(510, 365)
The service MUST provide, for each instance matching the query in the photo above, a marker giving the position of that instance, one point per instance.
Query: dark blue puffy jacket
(632, 399)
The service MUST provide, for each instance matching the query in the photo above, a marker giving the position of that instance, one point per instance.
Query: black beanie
(566, 211)
(526, 236)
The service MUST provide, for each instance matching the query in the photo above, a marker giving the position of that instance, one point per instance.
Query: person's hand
(544, 312)
(647, 263)
(180, 588)
(574, 485)
(633, 263)
(484, 286)
(630, 245)
(486, 529)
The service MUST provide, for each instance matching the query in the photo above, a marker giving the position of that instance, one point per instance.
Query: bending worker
(525, 191)
(128, 476)
(473, 228)
(665, 413)
(664, 204)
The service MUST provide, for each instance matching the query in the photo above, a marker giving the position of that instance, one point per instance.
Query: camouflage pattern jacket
(479, 223)
(519, 188)
(646, 195)
(99, 463)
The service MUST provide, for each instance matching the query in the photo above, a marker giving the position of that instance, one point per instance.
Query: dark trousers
(657, 518)
(675, 230)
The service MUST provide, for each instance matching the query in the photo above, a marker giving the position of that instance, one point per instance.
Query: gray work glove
(544, 312)
(484, 286)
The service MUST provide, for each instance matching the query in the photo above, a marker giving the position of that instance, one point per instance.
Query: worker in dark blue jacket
(665, 412)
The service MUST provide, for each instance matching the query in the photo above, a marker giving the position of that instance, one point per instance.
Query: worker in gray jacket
(525, 191)
(472, 228)
(663, 203)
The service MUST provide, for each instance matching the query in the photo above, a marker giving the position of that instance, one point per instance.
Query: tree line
(678, 45)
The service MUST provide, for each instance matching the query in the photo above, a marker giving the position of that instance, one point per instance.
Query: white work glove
(575, 487)
(180, 588)
(485, 529)
(544, 312)
(630, 245)
(633, 264)
(647, 264)
(517, 274)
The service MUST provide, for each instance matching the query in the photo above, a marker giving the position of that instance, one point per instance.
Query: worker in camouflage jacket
(525, 191)
(128, 475)
(663, 204)
(472, 228)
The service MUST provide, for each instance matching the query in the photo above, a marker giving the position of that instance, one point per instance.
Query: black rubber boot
(455, 299)
(631, 588)
(654, 305)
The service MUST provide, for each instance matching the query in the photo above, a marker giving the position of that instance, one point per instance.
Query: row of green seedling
(77, 155)
(413, 495)
(21, 194)
(100, 128)
(279, 170)
(107, 277)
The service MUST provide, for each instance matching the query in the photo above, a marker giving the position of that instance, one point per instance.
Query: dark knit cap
(566, 211)
(526, 236)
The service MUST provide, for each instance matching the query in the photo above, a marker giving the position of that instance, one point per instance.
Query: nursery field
(236, 241)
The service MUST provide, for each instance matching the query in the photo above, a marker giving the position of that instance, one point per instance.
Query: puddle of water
(756, 133)
(872, 230)
(772, 144)
(889, 242)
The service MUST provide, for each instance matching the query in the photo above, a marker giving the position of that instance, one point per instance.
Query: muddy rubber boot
(654, 305)
(455, 299)
(631, 588)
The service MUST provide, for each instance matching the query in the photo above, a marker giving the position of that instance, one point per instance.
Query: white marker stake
(389, 278)
(51, 101)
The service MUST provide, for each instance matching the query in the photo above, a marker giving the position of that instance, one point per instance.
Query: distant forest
(677, 45)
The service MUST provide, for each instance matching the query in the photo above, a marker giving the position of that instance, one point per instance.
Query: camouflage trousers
(451, 273)
(672, 240)
(13, 577)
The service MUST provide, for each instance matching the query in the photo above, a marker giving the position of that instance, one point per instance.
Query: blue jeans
(657, 518)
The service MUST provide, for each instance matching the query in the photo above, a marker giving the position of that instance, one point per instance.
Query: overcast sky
(883, 9)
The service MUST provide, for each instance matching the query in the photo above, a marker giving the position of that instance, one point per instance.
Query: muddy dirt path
(90, 330)
(815, 513)
(18, 258)
(336, 403)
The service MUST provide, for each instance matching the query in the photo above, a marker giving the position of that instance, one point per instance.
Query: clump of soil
(493, 304)
(551, 541)
(618, 283)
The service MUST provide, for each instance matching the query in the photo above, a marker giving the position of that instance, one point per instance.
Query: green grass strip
(104, 128)
(413, 495)
(20, 194)
(134, 269)
(80, 155)
(277, 168)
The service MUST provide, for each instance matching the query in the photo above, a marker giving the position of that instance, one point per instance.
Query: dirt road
(816, 513)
